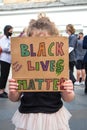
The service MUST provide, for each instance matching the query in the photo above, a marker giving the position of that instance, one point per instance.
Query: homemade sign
(40, 63)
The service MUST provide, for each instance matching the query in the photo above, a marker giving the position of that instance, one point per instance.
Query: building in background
(19, 12)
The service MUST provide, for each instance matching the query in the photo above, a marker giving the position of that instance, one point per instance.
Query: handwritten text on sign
(40, 63)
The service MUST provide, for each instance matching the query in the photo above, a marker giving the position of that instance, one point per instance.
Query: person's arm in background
(85, 42)
(6, 48)
(72, 42)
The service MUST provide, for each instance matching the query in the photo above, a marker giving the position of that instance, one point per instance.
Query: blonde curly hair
(42, 23)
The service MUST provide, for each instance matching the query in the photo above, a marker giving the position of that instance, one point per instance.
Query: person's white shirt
(6, 49)
(71, 49)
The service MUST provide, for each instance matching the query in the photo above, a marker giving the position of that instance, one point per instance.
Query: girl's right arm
(13, 95)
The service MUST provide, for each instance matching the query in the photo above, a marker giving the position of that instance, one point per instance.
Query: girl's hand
(68, 93)
(13, 95)
(68, 86)
(13, 86)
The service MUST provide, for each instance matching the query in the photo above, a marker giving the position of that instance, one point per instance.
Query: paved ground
(78, 108)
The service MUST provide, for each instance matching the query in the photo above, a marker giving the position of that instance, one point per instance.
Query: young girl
(41, 110)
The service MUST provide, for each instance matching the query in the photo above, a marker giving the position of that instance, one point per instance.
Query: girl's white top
(6, 49)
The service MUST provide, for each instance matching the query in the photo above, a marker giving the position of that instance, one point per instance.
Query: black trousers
(71, 70)
(4, 72)
(86, 78)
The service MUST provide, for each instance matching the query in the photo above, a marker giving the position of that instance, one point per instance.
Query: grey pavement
(77, 107)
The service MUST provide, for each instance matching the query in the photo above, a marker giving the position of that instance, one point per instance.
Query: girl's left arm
(68, 93)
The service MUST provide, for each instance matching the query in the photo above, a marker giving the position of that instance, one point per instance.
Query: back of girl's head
(81, 33)
(70, 28)
(42, 23)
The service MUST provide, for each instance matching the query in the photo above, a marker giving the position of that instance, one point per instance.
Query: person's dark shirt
(40, 102)
(72, 43)
(85, 47)
(80, 52)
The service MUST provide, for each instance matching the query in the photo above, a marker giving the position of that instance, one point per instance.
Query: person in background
(1, 36)
(41, 110)
(80, 65)
(23, 33)
(72, 46)
(5, 59)
(85, 61)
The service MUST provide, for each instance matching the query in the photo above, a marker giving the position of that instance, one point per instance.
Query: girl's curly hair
(42, 23)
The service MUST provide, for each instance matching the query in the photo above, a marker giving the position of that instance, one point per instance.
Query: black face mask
(9, 33)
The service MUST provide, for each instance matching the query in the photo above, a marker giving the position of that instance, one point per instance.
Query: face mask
(9, 33)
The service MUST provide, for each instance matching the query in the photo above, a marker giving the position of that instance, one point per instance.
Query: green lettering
(24, 50)
(59, 66)
(40, 81)
(50, 49)
(22, 84)
(55, 84)
(37, 66)
(52, 65)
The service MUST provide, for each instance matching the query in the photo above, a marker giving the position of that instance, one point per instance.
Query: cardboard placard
(40, 63)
